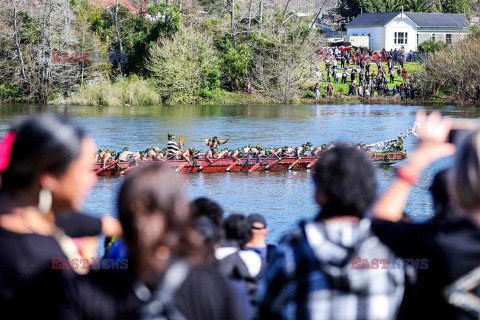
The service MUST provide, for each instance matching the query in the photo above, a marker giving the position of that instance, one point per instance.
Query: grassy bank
(139, 92)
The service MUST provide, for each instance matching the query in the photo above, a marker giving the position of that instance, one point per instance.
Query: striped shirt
(172, 147)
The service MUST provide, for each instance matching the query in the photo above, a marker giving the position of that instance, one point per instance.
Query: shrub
(183, 67)
(430, 46)
(101, 91)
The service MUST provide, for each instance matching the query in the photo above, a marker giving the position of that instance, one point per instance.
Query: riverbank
(140, 92)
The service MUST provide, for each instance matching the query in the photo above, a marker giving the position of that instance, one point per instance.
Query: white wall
(376, 38)
(439, 36)
(400, 24)
(359, 41)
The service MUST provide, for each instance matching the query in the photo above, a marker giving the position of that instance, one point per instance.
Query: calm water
(283, 197)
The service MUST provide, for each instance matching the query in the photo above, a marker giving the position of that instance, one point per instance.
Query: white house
(390, 30)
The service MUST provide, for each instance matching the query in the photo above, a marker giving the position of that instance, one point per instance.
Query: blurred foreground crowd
(166, 258)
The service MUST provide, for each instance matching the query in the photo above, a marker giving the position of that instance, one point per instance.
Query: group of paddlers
(175, 151)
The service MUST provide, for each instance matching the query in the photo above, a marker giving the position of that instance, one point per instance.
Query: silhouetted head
(237, 228)
(345, 182)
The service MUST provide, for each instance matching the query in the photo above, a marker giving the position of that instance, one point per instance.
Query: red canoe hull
(232, 165)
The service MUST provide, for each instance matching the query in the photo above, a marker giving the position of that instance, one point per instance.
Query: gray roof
(334, 34)
(421, 19)
(449, 20)
(373, 19)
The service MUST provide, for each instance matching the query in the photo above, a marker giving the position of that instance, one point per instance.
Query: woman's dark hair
(154, 214)
(347, 179)
(237, 228)
(45, 143)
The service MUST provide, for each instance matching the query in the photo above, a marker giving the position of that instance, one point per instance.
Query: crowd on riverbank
(167, 258)
(353, 74)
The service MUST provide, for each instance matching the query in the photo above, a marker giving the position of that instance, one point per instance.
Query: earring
(44, 201)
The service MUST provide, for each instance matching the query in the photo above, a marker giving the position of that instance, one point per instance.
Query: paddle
(102, 170)
(257, 165)
(230, 167)
(311, 164)
(183, 165)
(295, 163)
(274, 164)
(212, 162)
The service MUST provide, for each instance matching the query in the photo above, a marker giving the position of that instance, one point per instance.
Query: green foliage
(138, 33)
(185, 67)
(235, 62)
(9, 92)
(417, 5)
(352, 8)
(430, 46)
(393, 5)
(455, 6)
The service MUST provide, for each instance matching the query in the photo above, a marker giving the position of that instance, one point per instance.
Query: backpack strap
(161, 302)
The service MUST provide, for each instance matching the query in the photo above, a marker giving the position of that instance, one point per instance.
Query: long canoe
(230, 164)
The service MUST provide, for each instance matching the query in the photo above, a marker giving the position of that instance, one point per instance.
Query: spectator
(329, 89)
(312, 275)
(442, 201)
(235, 262)
(344, 77)
(452, 247)
(317, 92)
(50, 168)
(404, 74)
(204, 207)
(168, 274)
(259, 230)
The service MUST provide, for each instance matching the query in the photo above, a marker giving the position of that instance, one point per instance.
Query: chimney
(402, 12)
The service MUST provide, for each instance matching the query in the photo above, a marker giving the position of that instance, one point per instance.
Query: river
(284, 198)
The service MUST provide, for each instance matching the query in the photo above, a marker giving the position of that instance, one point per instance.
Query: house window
(401, 38)
(417, 38)
(433, 37)
(448, 39)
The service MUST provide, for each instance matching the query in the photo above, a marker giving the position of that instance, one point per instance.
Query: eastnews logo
(359, 263)
(94, 263)
(86, 57)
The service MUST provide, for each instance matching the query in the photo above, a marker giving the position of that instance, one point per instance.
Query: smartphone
(461, 128)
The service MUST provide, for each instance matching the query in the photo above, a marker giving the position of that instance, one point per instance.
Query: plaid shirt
(311, 276)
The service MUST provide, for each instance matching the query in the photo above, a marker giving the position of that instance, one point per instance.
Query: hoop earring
(44, 201)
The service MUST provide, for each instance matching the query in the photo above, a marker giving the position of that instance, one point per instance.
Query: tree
(417, 5)
(349, 9)
(281, 59)
(393, 5)
(185, 67)
(455, 6)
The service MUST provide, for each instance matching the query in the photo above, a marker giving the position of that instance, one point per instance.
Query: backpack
(160, 304)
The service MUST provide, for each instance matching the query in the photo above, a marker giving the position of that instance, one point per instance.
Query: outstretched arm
(431, 147)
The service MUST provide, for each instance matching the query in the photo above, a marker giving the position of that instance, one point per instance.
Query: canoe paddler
(172, 146)
(124, 154)
(316, 152)
(214, 143)
(189, 154)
